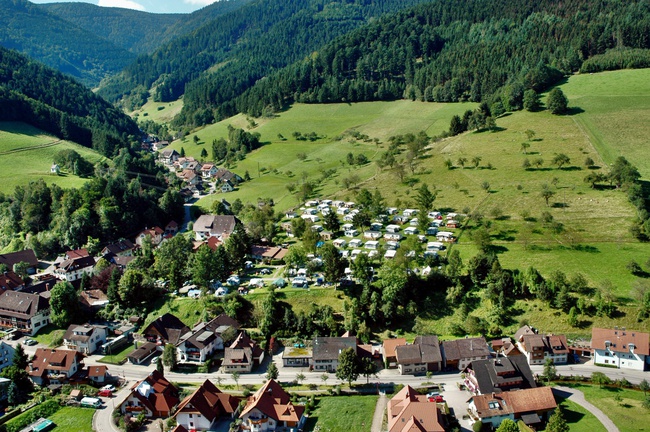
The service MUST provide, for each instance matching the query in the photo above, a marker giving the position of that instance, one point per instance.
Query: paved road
(578, 397)
(378, 417)
(102, 420)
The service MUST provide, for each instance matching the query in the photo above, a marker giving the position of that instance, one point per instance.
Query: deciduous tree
(348, 368)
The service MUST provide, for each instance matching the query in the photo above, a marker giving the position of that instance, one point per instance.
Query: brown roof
(517, 402)
(204, 333)
(91, 298)
(216, 225)
(10, 281)
(77, 253)
(84, 332)
(274, 402)
(97, 371)
(329, 348)
(391, 344)
(208, 401)
(163, 396)
(410, 411)
(168, 327)
(27, 255)
(143, 351)
(59, 359)
(555, 344)
(524, 330)
(21, 305)
(465, 348)
(119, 247)
(620, 340)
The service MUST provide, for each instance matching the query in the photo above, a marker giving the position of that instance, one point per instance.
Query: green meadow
(26, 154)
(159, 112)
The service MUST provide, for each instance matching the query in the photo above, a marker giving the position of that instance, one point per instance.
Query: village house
(142, 353)
(499, 374)
(10, 281)
(155, 234)
(28, 313)
(270, 409)
(459, 353)
(85, 338)
(24, 256)
(242, 355)
(208, 171)
(223, 175)
(539, 347)
(532, 406)
(297, 356)
(326, 351)
(154, 396)
(6, 355)
(98, 374)
(168, 157)
(73, 269)
(422, 356)
(220, 226)
(409, 411)
(54, 366)
(625, 349)
(200, 343)
(202, 410)
(165, 329)
(121, 248)
(189, 177)
(171, 228)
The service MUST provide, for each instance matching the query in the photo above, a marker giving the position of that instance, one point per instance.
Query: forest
(47, 99)
(440, 51)
(241, 47)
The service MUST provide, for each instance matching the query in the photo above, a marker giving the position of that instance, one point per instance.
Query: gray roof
(329, 348)
(216, 225)
(465, 348)
(425, 349)
(502, 373)
(27, 255)
(22, 305)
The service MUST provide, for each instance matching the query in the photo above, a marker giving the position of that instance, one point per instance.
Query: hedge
(44, 410)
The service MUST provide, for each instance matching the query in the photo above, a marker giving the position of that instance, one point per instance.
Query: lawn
(301, 300)
(627, 414)
(72, 419)
(159, 112)
(118, 358)
(50, 335)
(578, 418)
(350, 413)
(188, 310)
(27, 153)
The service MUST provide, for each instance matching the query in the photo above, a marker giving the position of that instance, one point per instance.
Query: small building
(410, 230)
(11, 281)
(445, 236)
(98, 374)
(121, 248)
(25, 256)
(355, 243)
(270, 409)
(85, 338)
(422, 356)
(154, 396)
(242, 355)
(532, 406)
(297, 356)
(340, 243)
(220, 226)
(372, 235)
(142, 353)
(372, 245)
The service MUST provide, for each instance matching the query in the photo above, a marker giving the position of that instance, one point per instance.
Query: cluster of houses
(195, 175)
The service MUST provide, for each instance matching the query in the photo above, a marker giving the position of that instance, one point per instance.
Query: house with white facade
(532, 406)
(85, 338)
(28, 313)
(154, 396)
(270, 409)
(205, 339)
(72, 269)
(6, 355)
(54, 366)
(242, 355)
(539, 347)
(625, 349)
(326, 350)
(202, 410)
(220, 226)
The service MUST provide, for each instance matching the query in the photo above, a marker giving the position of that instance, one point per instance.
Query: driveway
(457, 401)
(103, 418)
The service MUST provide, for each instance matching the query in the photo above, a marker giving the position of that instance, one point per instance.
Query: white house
(6, 355)
(72, 269)
(625, 349)
(50, 366)
(539, 347)
(28, 313)
(86, 338)
(270, 409)
(202, 410)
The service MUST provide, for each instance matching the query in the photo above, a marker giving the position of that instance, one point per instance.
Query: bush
(44, 410)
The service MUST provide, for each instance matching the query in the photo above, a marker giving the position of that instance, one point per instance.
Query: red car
(105, 393)
(436, 398)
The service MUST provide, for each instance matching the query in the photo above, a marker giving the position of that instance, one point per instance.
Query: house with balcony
(167, 328)
(54, 366)
(154, 396)
(539, 347)
(6, 355)
(123, 248)
(500, 374)
(625, 349)
(200, 343)
(532, 406)
(73, 269)
(270, 409)
(459, 353)
(28, 313)
(420, 357)
(156, 235)
(242, 355)
(85, 338)
(202, 410)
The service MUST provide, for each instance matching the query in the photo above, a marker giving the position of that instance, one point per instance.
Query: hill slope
(243, 46)
(49, 39)
(138, 32)
(47, 99)
(446, 51)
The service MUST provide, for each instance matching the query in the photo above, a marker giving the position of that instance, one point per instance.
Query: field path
(36, 147)
(578, 397)
(378, 417)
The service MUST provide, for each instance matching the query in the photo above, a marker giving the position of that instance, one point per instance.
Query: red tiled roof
(620, 340)
(391, 344)
(410, 411)
(52, 359)
(97, 371)
(273, 401)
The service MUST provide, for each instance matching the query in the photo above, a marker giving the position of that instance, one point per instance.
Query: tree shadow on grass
(573, 111)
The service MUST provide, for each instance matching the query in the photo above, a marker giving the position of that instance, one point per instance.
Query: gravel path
(578, 397)
(378, 417)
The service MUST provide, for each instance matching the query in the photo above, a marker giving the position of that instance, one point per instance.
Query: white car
(108, 387)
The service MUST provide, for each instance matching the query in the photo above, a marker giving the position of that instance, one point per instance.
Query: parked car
(105, 393)
(30, 342)
(154, 360)
(109, 387)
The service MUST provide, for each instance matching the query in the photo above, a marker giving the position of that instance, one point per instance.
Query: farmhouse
(537, 348)
(122, 248)
(155, 234)
(422, 356)
(270, 409)
(204, 339)
(326, 351)
(242, 355)
(625, 349)
(27, 313)
(72, 269)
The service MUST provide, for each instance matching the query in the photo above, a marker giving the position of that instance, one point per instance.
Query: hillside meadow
(26, 154)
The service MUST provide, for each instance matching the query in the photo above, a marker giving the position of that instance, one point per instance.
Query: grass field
(578, 418)
(72, 419)
(627, 413)
(159, 112)
(188, 310)
(118, 357)
(49, 335)
(26, 154)
(350, 413)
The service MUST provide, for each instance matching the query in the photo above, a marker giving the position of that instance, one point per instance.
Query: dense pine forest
(33, 93)
(241, 47)
(440, 51)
